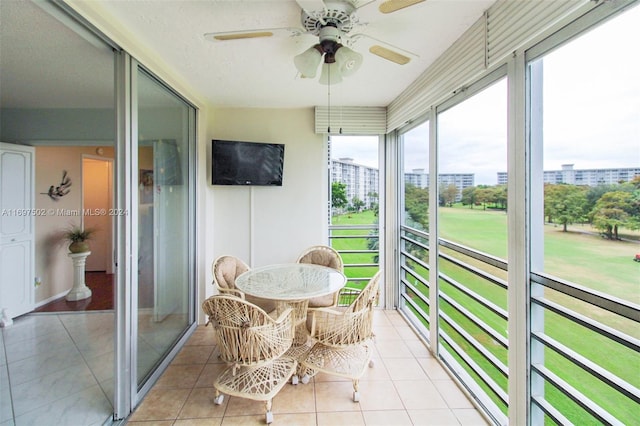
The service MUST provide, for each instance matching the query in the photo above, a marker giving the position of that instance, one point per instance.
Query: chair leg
(356, 393)
(268, 418)
(219, 398)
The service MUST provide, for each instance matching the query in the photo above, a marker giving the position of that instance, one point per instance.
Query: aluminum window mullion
(123, 225)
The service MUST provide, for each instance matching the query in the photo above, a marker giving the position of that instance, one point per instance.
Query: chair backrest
(225, 271)
(368, 295)
(245, 334)
(322, 255)
(351, 326)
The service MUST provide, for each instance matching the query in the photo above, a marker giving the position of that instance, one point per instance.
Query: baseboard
(51, 299)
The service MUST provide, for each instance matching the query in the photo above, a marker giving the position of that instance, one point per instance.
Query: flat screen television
(246, 163)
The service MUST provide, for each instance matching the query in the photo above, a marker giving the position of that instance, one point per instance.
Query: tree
(357, 204)
(416, 205)
(469, 196)
(565, 204)
(338, 195)
(500, 196)
(374, 202)
(484, 196)
(610, 213)
(448, 194)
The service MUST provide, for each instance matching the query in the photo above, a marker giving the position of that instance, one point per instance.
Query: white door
(18, 211)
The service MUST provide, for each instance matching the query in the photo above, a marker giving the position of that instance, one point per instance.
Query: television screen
(246, 163)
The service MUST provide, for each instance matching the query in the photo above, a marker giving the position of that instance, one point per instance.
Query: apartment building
(587, 177)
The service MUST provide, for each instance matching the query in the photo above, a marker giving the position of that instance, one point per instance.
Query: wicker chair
(252, 344)
(325, 256)
(225, 271)
(343, 337)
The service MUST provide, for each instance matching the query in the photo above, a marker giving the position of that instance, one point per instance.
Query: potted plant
(78, 237)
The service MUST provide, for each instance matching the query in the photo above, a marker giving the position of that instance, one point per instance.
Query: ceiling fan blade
(258, 33)
(385, 50)
(237, 35)
(389, 54)
(310, 6)
(391, 6)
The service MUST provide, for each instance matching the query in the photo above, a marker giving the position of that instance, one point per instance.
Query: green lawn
(580, 256)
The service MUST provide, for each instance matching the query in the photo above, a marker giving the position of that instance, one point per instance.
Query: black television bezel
(245, 182)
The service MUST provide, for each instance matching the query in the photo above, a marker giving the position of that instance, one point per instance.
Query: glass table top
(292, 281)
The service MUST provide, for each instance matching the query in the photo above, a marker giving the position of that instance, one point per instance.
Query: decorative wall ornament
(56, 192)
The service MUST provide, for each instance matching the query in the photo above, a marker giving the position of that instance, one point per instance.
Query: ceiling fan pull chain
(329, 102)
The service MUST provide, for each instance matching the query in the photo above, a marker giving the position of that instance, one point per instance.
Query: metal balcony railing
(353, 242)
(473, 340)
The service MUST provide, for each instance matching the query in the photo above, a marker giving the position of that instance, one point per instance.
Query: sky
(591, 113)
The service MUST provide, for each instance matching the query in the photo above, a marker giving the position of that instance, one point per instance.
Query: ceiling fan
(331, 21)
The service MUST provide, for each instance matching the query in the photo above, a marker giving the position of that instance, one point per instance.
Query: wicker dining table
(291, 285)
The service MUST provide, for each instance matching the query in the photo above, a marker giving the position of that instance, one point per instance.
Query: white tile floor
(57, 369)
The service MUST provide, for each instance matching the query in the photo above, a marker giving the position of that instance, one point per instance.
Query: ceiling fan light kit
(348, 60)
(330, 74)
(308, 61)
(339, 61)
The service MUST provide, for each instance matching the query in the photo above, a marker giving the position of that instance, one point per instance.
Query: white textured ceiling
(238, 73)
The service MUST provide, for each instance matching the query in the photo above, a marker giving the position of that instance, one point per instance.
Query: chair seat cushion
(322, 301)
(266, 305)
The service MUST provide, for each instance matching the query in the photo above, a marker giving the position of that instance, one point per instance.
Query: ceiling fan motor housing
(337, 14)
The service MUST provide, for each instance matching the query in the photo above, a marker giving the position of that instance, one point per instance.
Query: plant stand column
(79, 290)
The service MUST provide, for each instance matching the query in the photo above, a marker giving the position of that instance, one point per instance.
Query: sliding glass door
(164, 190)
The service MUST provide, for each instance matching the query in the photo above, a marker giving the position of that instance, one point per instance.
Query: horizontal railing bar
(550, 411)
(415, 275)
(356, 251)
(493, 360)
(491, 408)
(359, 265)
(502, 313)
(344, 237)
(575, 395)
(414, 323)
(415, 231)
(612, 380)
(415, 242)
(416, 307)
(475, 367)
(416, 260)
(347, 227)
(475, 254)
(476, 271)
(421, 296)
(613, 304)
(477, 321)
(593, 325)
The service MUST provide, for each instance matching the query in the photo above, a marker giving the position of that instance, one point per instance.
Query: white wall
(264, 225)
